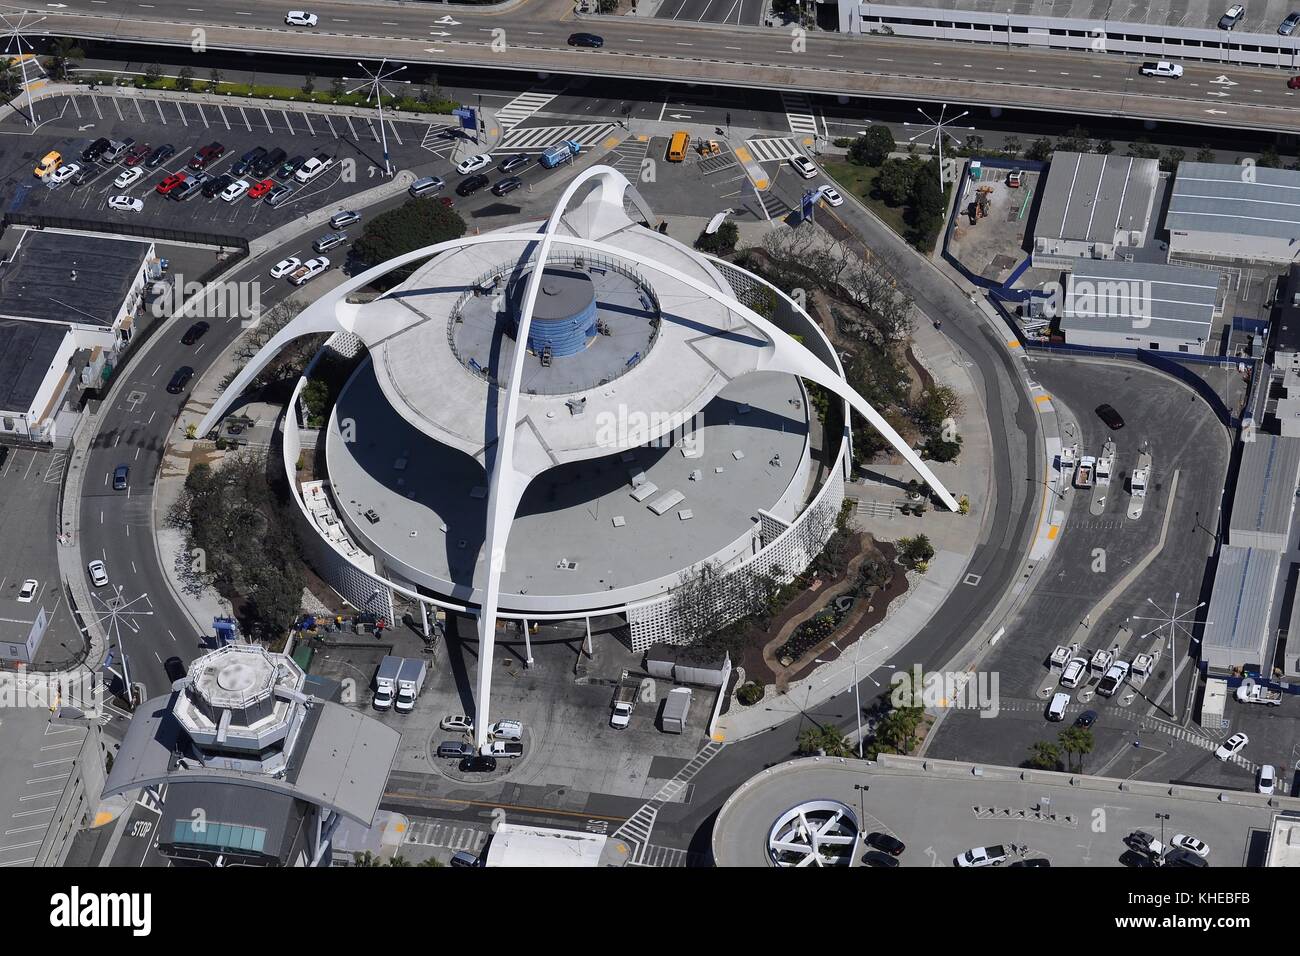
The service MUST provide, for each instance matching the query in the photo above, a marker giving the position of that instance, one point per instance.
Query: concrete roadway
(532, 36)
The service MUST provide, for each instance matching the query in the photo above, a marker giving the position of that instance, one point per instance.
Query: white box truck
(410, 681)
(386, 682)
(676, 707)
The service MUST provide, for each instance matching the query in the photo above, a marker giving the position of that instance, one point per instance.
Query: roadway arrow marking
(448, 21)
(57, 6)
(441, 33)
(679, 115)
(82, 129)
(1217, 112)
(1217, 94)
(433, 49)
(1223, 81)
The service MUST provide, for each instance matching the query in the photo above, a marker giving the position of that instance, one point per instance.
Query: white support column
(590, 652)
(528, 646)
(424, 617)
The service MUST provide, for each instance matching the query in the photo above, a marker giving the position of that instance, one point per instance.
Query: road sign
(809, 203)
(468, 117)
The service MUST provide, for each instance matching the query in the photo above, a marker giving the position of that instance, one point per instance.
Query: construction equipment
(708, 147)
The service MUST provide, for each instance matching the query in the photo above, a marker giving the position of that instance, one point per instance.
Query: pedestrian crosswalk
(521, 107)
(776, 149)
(439, 834)
(535, 139)
(628, 156)
(799, 114)
(773, 206)
(637, 828)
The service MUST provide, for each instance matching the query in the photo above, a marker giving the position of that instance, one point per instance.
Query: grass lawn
(861, 181)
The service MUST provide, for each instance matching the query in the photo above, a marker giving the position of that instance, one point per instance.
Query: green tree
(1011, 146)
(184, 78)
(1044, 755)
(414, 224)
(894, 181)
(153, 73)
(940, 449)
(10, 79)
(309, 83)
(873, 147)
(1205, 154)
(719, 243)
(337, 87)
(1143, 148)
(63, 54)
(828, 740)
(1040, 150)
(926, 204)
(1269, 158)
(214, 80)
(1170, 160)
(897, 731)
(1076, 140)
(1076, 742)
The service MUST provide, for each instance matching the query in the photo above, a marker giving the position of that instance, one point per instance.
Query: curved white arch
(506, 484)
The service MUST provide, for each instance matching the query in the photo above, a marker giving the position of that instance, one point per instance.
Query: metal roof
(1089, 197)
(63, 277)
(1105, 295)
(27, 350)
(515, 845)
(1266, 486)
(1236, 628)
(1242, 200)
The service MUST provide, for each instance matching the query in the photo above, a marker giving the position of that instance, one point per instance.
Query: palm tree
(828, 740)
(64, 51)
(1076, 741)
(1044, 755)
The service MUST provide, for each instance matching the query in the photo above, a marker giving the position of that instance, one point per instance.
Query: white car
(98, 573)
(309, 270)
(1232, 746)
(1267, 782)
(235, 190)
(832, 196)
(1075, 672)
(1191, 845)
(312, 168)
(982, 856)
(1116, 676)
(1161, 68)
(461, 722)
(284, 267)
(28, 591)
(301, 18)
(64, 173)
(508, 730)
(129, 177)
(474, 164)
(1056, 709)
(803, 166)
(126, 204)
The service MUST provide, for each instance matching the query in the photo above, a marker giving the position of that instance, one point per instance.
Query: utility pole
(375, 82)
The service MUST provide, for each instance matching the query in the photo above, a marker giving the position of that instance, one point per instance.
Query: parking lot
(71, 123)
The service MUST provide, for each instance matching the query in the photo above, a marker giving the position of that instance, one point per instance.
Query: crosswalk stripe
(774, 149)
(521, 107)
(538, 138)
(799, 114)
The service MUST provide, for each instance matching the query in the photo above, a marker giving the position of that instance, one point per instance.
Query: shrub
(750, 694)
(914, 552)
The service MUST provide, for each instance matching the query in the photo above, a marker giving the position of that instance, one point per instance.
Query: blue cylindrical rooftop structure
(564, 317)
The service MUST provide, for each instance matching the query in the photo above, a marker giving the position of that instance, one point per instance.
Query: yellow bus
(677, 146)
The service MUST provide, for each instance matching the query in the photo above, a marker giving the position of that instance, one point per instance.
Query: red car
(261, 189)
(170, 183)
(137, 155)
(1294, 83)
(447, 201)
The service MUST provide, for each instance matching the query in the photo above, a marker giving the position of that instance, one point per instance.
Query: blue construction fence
(1283, 686)
(1003, 287)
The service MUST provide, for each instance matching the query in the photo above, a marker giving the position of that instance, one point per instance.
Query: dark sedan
(180, 379)
(883, 841)
(883, 860)
(1111, 417)
(194, 333)
(513, 163)
(160, 155)
(586, 39)
(507, 186)
(471, 184)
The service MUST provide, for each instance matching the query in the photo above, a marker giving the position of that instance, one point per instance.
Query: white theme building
(569, 441)
(1235, 212)
(1093, 206)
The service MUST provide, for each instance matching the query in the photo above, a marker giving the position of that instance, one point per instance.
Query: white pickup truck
(982, 856)
(309, 270)
(1257, 694)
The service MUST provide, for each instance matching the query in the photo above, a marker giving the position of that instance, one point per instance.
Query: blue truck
(560, 153)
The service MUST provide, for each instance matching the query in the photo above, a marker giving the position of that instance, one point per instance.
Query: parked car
(1015, 178)
(28, 591)
(1056, 709)
(1231, 16)
(313, 167)
(876, 858)
(474, 164)
(217, 185)
(1288, 25)
(455, 749)
(96, 149)
(506, 186)
(194, 333)
(180, 380)
(125, 204)
(883, 841)
(341, 220)
(191, 186)
(1161, 68)
(478, 764)
(260, 189)
(235, 190)
(803, 166)
(269, 163)
(329, 241)
(1180, 857)
(461, 722)
(284, 267)
(1114, 677)
(1232, 746)
(48, 164)
(301, 18)
(505, 748)
(507, 730)
(471, 184)
(278, 194)
(465, 858)
(63, 173)
(120, 475)
(206, 156)
(137, 155)
(1111, 417)
(169, 183)
(982, 856)
(1266, 782)
(160, 155)
(128, 177)
(1086, 719)
(1075, 672)
(832, 196)
(248, 160)
(1033, 861)
(1144, 843)
(98, 573)
(1190, 844)
(591, 40)
(426, 186)
(290, 166)
(1136, 860)
(512, 163)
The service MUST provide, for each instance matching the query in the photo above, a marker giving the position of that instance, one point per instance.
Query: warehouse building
(1236, 632)
(1112, 303)
(1236, 212)
(1092, 206)
(1265, 493)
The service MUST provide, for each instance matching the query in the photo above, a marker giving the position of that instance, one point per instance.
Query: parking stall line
(77, 108)
(351, 129)
(94, 101)
(307, 119)
(287, 122)
(182, 112)
(392, 127)
(138, 111)
(374, 133)
(247, 124)
(119, 109)
(333, 132)
(224, 118)
(203, 116)
(266, 119)
(158, 104)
